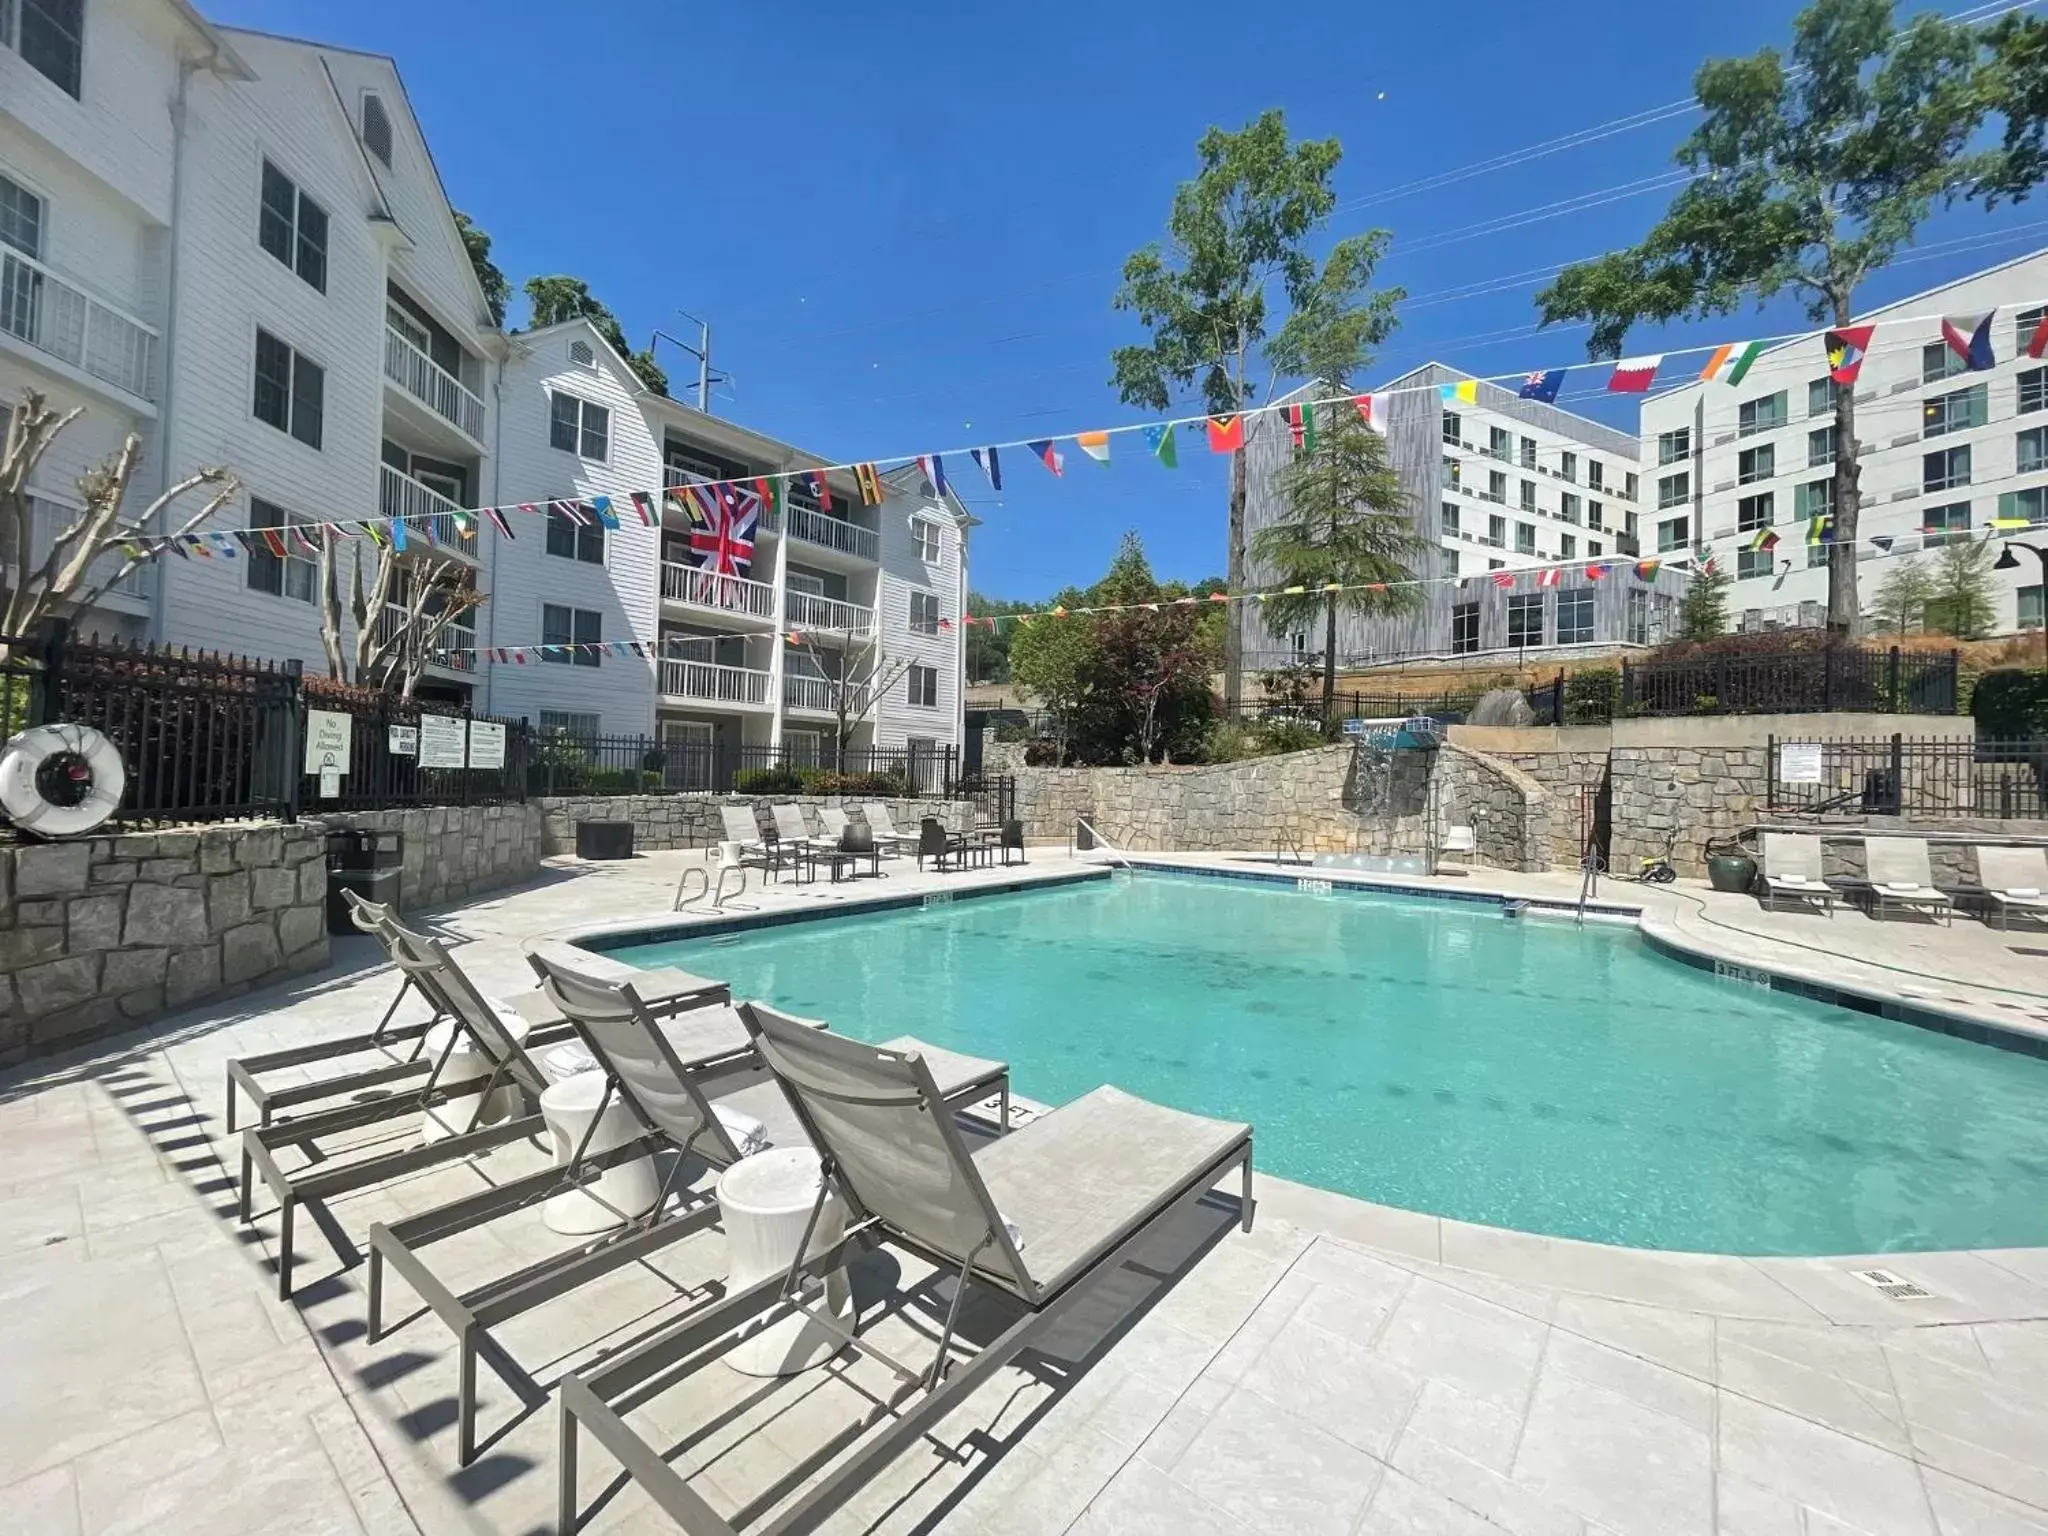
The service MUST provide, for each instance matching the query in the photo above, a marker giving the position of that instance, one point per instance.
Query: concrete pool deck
(1346, 1367)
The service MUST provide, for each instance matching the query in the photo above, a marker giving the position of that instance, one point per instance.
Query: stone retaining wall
(693, 821)
(106, 933)
(455, 851)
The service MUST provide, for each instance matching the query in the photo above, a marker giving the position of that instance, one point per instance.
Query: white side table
(765, 1201)
(623, 1192)
(467, 1064)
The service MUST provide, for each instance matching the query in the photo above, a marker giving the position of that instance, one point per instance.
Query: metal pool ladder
(1095, 837)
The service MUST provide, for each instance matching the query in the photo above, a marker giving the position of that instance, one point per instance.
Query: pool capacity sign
(328, 734)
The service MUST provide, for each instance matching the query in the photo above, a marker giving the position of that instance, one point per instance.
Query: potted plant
(1730, 866)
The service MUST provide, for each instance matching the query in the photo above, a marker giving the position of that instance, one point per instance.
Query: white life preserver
(95, 782)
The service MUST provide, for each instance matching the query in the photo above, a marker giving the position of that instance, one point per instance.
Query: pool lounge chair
(2015, 880)
(792, 837)
(833, 823)
(1900, 876)
(1036, 1217)
(887, 838)
(742, 826)
(1792, 870)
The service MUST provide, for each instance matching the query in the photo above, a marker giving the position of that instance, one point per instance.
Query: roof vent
(581, 355)
(376, 127)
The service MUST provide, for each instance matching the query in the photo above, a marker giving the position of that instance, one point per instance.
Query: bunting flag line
(1094, 444)
(2037, 344)
(1550, 576)
(1969, 337)
(644, 505)
(1503, 579)
(1373, 408)
(1226, 434)
(1160, 441)
(398, 535)
(1820, 528)
(869, 479)
(768, 492)
(933, 467)
(990, 464)
(1634, 375)
(1731, 361)
(499, 522)
(821, 488)
(1464, 392)
(1047, 455)
(1542, 386)
(1595, 572)
(606, 517)
(1646, 570)
(1764, 542)
(2011, 522)
(1883, 541)
(1846, 349)
(1301, 427)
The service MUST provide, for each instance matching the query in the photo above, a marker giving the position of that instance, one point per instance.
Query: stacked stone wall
(694, 821)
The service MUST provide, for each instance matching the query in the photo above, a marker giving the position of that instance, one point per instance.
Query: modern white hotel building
(238, 247)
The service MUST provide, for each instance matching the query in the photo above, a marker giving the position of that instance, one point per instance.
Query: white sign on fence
(405, 741)
(327, 741)
(486, 744)
(442, 742)
(1799, 762)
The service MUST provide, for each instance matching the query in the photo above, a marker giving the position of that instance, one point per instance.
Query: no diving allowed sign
(328, 737)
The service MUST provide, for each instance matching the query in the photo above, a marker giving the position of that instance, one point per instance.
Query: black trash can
(604, 839)
(368, 863)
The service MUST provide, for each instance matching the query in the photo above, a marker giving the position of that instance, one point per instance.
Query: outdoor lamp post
(2008, 561)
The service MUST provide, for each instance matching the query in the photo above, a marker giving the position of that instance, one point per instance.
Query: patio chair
(792, 836)
(833, 823)
(1792, 870)
(887, 838)
(512, 1066)
(743, 827)
(1900, 876)
(1011, 839)
(2016, 880)
(1036, 1218)
(934, 842)
(650, 1068)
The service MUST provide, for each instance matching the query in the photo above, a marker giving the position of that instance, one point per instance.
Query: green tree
(2015, 86)
(1145, 680)
(988, 646)
(1903, 596)
(1810, 173)
(1347, 525)
(1048, 655)
(1964, 602)
(496, 289)
(555, 299)
(1235, 233)
(1703, 611)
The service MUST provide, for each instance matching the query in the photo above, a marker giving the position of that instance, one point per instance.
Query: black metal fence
(1909, 776)
(1891, 682)
(564, 764)
(404, 752)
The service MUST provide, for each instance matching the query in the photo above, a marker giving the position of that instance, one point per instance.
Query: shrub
(1592, 696)
(618, 781)
(825, 781)
(2011, 704)
(768, 781)
(1041, 754)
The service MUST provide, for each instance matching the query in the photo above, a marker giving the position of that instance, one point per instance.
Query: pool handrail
(1073, 842)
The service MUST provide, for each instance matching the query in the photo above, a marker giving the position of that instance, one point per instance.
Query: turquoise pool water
(1437, 1056)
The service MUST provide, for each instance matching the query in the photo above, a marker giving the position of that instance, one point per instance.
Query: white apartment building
(1943, 451)
(845, 610)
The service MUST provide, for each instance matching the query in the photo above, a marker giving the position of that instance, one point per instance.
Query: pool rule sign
(327, 744)
(443, 742)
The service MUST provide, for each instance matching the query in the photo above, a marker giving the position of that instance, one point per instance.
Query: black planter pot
(1731, 871)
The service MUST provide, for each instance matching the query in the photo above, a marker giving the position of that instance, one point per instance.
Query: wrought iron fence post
(1954, 677)
(1628, 688)
(48, 690)
(1898, 772)
(1891, 682)
(1770, 771)
(294, 740)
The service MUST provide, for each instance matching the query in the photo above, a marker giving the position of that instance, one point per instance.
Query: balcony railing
(717, 684)
(55, 316)
(702, 588)
(458, 641)
(428, 514)
(834, 533)
(807, 610)
(434, 386)
(821, 695)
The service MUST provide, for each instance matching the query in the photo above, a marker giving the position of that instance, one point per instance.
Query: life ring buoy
(61, 780)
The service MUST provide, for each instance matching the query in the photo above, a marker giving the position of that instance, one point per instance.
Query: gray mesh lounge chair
(1085, 1185)
(887, 838)
(1900, 876)
(743, 827)
(656, 1070)
(792, 837)
(2016, 880)
(833, 823)
(332, 1174)
(1792, 871)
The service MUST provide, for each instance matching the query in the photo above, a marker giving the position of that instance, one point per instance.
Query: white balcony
(821, 695)
(711, 683)
(807, 610)
(56, 316)
(695, 587)
(427, 513)
(834, 533)
(458, 641)
(433, 386)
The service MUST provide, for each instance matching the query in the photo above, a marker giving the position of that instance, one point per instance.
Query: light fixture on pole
(2008, 561)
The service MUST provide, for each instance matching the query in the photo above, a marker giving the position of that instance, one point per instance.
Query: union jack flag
(722, 522)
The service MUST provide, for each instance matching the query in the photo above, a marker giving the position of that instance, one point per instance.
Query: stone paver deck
(1345, 1367)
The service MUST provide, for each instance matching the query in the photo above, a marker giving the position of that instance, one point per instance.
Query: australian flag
(722, 522)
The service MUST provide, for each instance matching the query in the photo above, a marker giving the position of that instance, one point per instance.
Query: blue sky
(905, 222)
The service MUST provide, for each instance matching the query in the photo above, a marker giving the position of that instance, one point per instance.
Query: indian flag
(1731, 361)
(1094, 444)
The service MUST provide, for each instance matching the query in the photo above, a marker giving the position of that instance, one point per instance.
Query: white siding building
(1944, 451)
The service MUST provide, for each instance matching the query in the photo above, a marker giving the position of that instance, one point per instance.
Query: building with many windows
(1943, 451)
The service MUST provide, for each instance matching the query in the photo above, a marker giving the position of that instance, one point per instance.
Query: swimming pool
(1436, 1056)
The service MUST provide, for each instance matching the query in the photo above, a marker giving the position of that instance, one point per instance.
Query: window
(292, 227)
(1637, 620)
(1525, 538)
(1631, 484)
(1674, 490)
(1596, 475)
(2024, 324)
(573, 540)
(1528, 495)
(1673, 534)
(1497, 531)
(1494, 565)
(2034, 390)
(563, 722)
(1938, 361)
(1820, 447)
(21, 218)
(1596, 514)
(290, 391)
(1454, 427)
(1464, 628)
(1595, 548)
(1754, 416)
(1525, 619)
(1500, 443)
(2029, 615)
(1568, 506)
(571, 626)
(1945, 524)
(1816, 498)
(2031, 447)
(924, 613)
(1953, 412)
(924, 538)
(1675, 445)
(1447, 513)
(1754, 464)
(21, 226)
(1944, 468)
(1751, 563)
(1568, 466)
(1820, 397)
(578, 426)
(1817, 554)
(1496, 486)
(1575, 617)
(47, 34)
(1754, 512)
(286, 575)
(376, 127)
(1451, 562)
(1567, 546)
(1528, 453)
(2031, 504)
(1451, 473)
(923, 687)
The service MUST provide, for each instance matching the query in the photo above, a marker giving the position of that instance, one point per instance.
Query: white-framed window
(921, 687)
(572, 540)
(291, 226)
(1464, 628)
(924, 613)
(2024, 324)
(2033, 390)
(1945, 468)
(1674, 490)
(1954, 412)
(377, 127)
(1752, 563)
(1596, 475)
(1500, 443)
(801, 748)
(806, 583)
(1938, 361)
(924, 537)
(1525, 538)
(287, 575)
(567, 722)
(1575, 617)
(1631, 483)
(1637, 620)
(1496, 530)
(1567, 546)
(1821, 395)
(1568, 466)
(1496, 486)
(1820, 447)
(1596, 514)
(561, 625)
(1568, 506)
(1674, 445)
(1945, 524)
(2031, 450)
(1818, 555)
(1755, 512)
(1815, 498)
(22, 219)
(1447, 517)
(1450, 562)
(1528, 453)
(1525, 619)
(579, 426)
(1758, 463)
(1454, 427)
(2029, 608)
(2031, 504)
(291, 392)
(1595, 549)
(1760, 415)
(1528, 495)
(1674, 533)
(49, 35)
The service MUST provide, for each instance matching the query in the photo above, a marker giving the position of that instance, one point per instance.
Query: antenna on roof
(702, 352)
